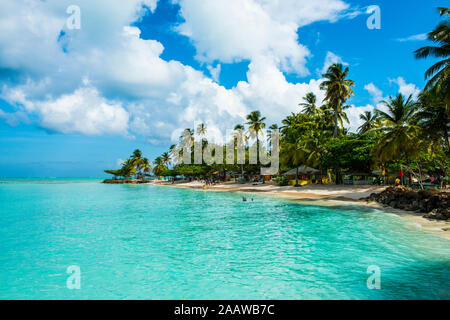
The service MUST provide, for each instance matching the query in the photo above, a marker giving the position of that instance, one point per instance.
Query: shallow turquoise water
(147, 242)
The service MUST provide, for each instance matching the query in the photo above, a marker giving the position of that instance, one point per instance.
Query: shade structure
(302, 170)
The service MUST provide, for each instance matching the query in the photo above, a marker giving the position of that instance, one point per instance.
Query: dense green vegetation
(407, 133)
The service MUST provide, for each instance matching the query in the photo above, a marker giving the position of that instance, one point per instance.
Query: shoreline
(325, 195)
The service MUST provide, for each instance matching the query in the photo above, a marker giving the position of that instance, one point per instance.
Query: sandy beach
(324, 195)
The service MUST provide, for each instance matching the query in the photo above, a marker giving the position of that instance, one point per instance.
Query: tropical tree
(338, 89)
(293, 153)
(271, 129)
(187, 136)
(439, 73)
(165, 157)
(201, 129)
(399, 129)
(309, 106)
(146, 166)
(370, 122)
(433, 117)
(128, 168)
(240, 137)
(159, 166)
(256, 126)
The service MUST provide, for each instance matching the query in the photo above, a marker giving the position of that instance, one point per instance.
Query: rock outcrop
(435, 204)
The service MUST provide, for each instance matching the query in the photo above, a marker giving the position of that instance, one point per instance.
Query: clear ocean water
(149, 242)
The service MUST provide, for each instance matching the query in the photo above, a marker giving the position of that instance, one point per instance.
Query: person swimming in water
(244, 199)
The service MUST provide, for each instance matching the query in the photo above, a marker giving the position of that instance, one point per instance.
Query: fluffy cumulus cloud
(407, 89)
(105, 79)
(82, 111)
(377, 94)
(233, 30)
(330, 59)
(404, 88)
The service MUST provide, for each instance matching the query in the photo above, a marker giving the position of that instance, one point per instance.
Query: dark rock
(434, 203)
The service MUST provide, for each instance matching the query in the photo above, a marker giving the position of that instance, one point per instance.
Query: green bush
(282, 181)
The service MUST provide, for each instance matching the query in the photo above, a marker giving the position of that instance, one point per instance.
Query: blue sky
(75, 102)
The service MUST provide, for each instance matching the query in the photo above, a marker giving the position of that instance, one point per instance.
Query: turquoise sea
(150, 242)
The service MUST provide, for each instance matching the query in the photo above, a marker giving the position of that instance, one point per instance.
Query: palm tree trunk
(335, 123)
(296, 178)
(257, 157)
(447, 143)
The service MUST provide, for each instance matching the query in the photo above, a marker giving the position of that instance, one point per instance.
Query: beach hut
(306, 175)
(358, 178)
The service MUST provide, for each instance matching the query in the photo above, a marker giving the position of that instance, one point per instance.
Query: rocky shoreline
(434, 204)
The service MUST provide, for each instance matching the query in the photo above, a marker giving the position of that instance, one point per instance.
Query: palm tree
(338, 90)
(240, 137)
(136, 159)
(256, 126)
(439, 72)
(434, 116)
(271, 129)
(309, 106)
(370, 122)
(146, 166)
(165, 157)
(201, 129)
(159, 166)
(128, 168)
(293, 154)
(400, 131)
(188, 134)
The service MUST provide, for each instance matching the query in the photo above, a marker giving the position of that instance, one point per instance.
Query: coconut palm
(309, 106)
(399, 128)
(370, 122)
(256, 126)
(439, 73)
(146, 166)
(159, 166)
(434, 116)
(293, 154)
(338, 90)
(188, 134)
(165, 157)
(128, 168)
(240, 138)
(201, 129)
(271, 129)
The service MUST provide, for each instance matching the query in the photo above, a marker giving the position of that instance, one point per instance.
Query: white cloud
(353, 114)
(83, 111)
(268, 91)
(14, 118)
(406, 89)
(377, 94)
(104, 78)
(417, 37)
(330, 59)
(234, 30)
(215, 72)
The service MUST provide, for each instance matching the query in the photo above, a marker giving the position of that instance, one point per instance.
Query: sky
(80, 92)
